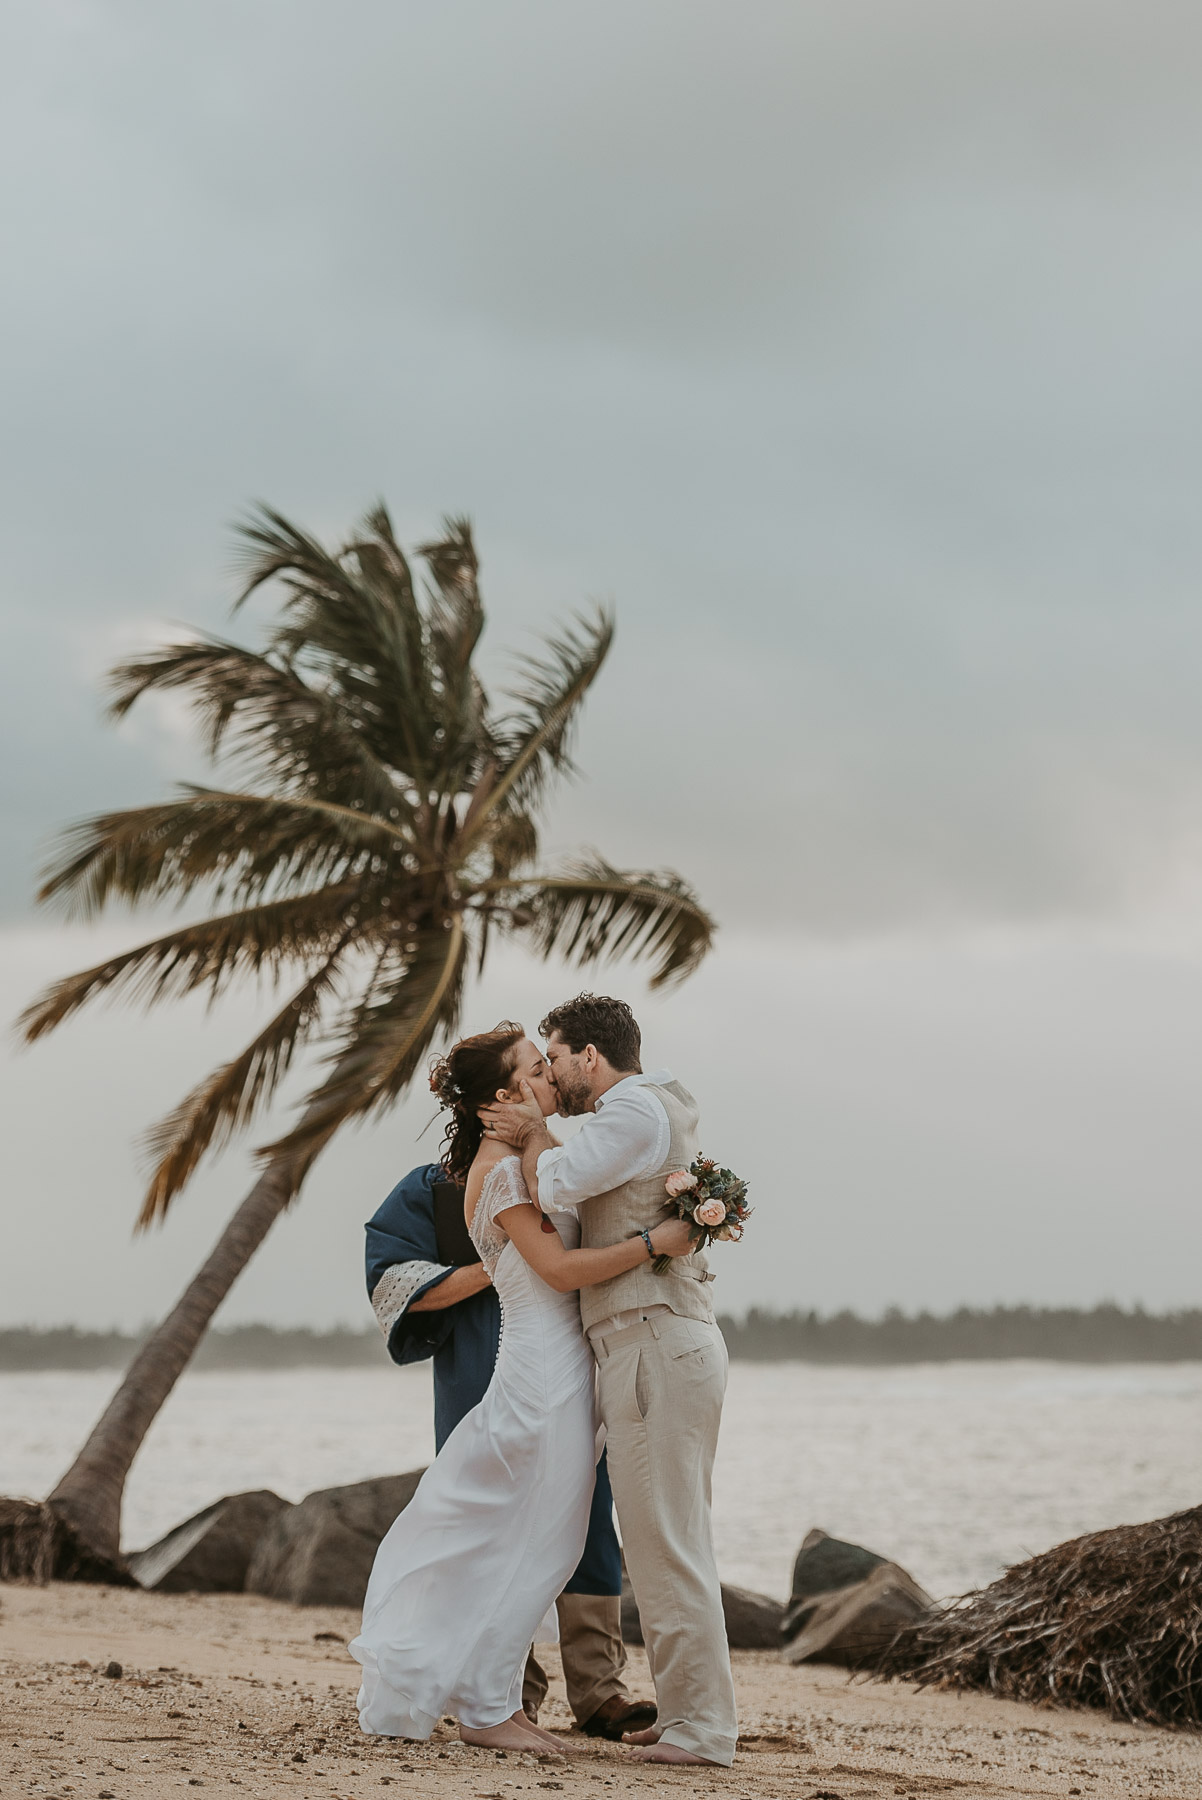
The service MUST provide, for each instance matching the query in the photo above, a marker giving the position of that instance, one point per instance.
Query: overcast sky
(851, 350)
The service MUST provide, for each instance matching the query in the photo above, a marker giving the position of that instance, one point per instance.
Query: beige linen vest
(636, 1206)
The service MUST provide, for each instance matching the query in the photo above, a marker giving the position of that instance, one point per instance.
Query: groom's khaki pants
(661, 1385)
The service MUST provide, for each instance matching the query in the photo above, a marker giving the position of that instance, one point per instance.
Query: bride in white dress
(471, 1567)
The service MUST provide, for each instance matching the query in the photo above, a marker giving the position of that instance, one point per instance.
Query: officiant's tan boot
(594, 1658)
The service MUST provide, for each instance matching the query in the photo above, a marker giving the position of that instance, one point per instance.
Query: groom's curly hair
(609, 1025)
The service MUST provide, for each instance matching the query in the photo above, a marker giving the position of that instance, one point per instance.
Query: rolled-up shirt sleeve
(625, 1139)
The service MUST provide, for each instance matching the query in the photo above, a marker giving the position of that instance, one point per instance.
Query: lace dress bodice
(542, 1342)
(503, 1187)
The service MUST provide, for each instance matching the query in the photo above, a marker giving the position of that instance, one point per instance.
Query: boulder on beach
(210, 1552)
(825, 1564)
(320, 1552)
(847, 1603)
(752, 1620)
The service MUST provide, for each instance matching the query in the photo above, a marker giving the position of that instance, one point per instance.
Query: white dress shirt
(625, 1137)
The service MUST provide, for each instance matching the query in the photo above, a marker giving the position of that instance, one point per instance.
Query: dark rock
(210, 1552)
(847, 1603)
(753, 1621)
(320, 1552)
(114, 1671)
(826, 1563)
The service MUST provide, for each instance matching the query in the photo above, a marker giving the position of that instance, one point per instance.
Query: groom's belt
(621, 1321)
(632, 1315)
(647, 1324)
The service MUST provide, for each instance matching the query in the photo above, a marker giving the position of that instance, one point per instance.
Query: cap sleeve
(503, 1188)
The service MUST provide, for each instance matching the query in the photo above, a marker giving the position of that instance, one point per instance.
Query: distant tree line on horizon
(1105, 1333)
(1101, 1334)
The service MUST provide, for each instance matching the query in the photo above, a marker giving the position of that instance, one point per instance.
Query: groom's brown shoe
(618, 1714)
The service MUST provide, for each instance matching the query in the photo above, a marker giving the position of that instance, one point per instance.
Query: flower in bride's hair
(710, 1212)
(679, 1182)
(443, 1085)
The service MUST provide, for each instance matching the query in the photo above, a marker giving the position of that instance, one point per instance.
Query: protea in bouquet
(712, 1199)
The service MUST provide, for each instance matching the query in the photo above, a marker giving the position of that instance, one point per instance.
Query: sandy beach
(244, 1696)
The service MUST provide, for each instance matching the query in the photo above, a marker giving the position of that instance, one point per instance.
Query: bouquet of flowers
(714, 1199)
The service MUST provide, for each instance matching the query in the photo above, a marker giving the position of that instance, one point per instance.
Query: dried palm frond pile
(1111, 1620)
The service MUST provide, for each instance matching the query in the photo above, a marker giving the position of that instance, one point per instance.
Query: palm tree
(378, 833)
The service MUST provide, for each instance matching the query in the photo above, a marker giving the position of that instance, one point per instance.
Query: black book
(450, 1226)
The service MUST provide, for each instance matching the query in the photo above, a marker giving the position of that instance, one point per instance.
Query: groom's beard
(574, 1096)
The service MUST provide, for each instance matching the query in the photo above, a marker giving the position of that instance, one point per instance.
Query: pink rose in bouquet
(712, 1199)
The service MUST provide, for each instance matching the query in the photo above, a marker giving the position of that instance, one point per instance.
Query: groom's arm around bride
(660, 1357)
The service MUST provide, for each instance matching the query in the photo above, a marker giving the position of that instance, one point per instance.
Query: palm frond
(226, 1101)
(210, 954)
(354, 617)
(400, 634)
(456, 620)
(456, 614)
(512, 842)
(299, 736)
(272, 546)
(244, 844)
(384, 1040)
(593, 912)
(533, 742)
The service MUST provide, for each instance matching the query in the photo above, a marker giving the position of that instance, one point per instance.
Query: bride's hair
(464, 1080)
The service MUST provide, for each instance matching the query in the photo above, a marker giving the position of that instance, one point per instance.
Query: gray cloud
(850, 349)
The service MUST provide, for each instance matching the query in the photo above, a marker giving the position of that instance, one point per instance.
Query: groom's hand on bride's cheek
(528, 1102)
(513, 1120)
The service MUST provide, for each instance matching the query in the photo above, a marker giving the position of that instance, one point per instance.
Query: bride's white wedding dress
(467, 1572)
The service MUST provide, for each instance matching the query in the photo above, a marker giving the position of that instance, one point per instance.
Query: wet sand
(241, 1696)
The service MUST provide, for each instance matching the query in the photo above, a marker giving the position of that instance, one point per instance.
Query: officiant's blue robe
(463, 1340)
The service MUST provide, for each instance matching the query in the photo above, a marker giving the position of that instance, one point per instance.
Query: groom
(660, 1357)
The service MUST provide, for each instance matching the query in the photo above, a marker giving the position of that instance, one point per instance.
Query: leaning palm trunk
(89, 1496)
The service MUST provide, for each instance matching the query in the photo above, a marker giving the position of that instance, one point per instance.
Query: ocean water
(954, 1470)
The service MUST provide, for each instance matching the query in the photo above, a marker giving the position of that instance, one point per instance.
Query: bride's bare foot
(556, 1745)
(649, 1736)
(516, 1733)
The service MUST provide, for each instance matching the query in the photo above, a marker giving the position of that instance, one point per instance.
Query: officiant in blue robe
(432, 1298)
